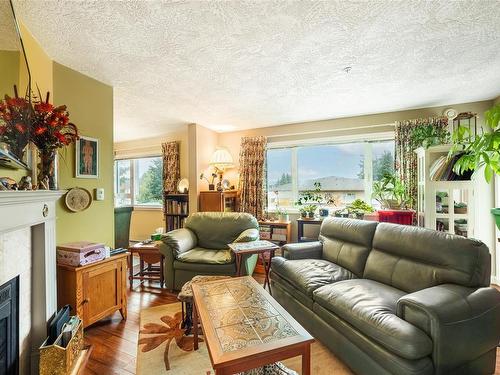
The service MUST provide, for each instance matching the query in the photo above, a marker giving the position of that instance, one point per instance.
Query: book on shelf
(442, 169)
(173, 206)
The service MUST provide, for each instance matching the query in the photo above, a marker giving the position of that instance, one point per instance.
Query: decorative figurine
(25, 183)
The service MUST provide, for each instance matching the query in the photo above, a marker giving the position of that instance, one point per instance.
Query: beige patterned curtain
(406, 158)
(171, 166)
(252, 175)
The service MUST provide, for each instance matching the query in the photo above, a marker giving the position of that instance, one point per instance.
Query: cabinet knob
(86, 300)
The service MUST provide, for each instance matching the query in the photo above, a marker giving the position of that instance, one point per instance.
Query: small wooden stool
(149, 254)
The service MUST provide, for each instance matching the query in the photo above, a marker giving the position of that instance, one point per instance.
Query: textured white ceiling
(241, 64)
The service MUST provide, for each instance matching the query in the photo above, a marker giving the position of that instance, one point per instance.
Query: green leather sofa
(200, 248)
(393, 299)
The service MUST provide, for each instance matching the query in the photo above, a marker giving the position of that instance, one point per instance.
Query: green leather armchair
(200, 248)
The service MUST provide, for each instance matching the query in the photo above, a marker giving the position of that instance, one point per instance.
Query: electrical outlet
(99, 194)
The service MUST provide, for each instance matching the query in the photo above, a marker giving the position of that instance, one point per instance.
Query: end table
(149, 253)
(259, 247)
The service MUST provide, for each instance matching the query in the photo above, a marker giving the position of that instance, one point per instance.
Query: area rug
(164, 349)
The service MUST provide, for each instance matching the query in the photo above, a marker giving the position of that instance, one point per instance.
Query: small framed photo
(87, 157)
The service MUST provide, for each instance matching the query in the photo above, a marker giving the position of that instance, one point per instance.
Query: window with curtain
(138, 182)
(346, 171)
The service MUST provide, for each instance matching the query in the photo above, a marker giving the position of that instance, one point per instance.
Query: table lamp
(221, 159)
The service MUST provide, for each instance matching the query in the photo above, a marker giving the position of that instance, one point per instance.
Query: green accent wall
(90, 104)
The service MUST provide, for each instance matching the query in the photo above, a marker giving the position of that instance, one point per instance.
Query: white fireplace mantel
(33, 212)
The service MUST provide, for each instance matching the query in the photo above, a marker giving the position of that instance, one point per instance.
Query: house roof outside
(328, 184)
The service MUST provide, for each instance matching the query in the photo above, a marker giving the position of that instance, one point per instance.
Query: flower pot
(211, 187)
(496, 214)
(303, 215)
(284, 218)
(323, 212)
(47, 169)
(310, 215)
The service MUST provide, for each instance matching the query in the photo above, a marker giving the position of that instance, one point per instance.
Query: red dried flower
(20, 128)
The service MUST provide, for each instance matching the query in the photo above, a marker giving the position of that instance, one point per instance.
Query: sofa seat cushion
(370, 307)
(206, 256)
(309, 274)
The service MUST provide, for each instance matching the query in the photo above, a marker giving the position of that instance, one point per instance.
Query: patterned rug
(164, 349)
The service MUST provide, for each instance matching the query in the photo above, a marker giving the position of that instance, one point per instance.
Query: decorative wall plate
(226, 184)
(183, 186)
(78, 199)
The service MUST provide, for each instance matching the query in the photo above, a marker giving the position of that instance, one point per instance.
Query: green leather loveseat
(392, 299)
(200, 248)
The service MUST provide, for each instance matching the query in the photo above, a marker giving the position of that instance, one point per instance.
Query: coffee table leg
(306, 360)
(195, 326)
(266, 271)
(162, 276)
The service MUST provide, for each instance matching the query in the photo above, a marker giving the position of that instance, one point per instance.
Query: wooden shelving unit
(219, 201)
(176, 209)
(278, 232)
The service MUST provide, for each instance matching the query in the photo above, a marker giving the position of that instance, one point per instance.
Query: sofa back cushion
(347, 242)
(215, 230)
(412, 258)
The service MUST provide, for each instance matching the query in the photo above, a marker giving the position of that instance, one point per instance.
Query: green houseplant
(429, 135)
(391, 192)
(482, 152)
(309, 200)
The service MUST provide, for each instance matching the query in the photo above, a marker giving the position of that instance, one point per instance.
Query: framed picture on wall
(87, 157)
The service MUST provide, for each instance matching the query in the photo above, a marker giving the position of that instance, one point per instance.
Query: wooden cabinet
(219, 201)
(96, 290)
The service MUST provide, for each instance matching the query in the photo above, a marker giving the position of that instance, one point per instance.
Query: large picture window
(139, 182)
(346, 171)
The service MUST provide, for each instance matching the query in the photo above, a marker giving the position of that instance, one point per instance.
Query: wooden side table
(149, 254)
(255, 247)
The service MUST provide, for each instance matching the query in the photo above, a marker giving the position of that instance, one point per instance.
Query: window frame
(133, 183)
(368, 141)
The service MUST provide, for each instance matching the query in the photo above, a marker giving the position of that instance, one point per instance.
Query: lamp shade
(221, 159)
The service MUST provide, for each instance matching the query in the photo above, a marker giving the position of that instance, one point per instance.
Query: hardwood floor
(114, 341)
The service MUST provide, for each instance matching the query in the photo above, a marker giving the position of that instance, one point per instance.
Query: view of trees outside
(339, 168)
(147, 181)
(150, 185)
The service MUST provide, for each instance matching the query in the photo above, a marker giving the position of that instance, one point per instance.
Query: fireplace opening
(9, 327)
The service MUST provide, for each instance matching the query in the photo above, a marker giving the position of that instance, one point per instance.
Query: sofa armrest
(463, 323)
(303, 250)
(180, 240)
(248, 235)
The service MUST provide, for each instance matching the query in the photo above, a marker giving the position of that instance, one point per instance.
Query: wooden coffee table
(245, 327)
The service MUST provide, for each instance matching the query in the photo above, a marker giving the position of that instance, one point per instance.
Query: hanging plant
(429, 135)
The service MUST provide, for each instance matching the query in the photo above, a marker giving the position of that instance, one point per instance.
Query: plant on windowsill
(390, 192)
(359, 208)
(482, 153)
(309, 200)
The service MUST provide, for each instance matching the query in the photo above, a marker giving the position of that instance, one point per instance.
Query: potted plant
(429, 135)
(211, 185)
(482, 153)
(390, 192)
(308, 201)
(359, 208)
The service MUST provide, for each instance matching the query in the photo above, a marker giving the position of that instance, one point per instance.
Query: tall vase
(47, 169)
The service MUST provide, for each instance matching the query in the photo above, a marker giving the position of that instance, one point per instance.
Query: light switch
(99, 194)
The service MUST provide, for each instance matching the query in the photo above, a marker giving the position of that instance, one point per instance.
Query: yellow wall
(9, 68)
(145, 220)
(40, 65)
(90, 104)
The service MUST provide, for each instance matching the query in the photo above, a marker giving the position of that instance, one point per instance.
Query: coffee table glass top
(241, 315)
